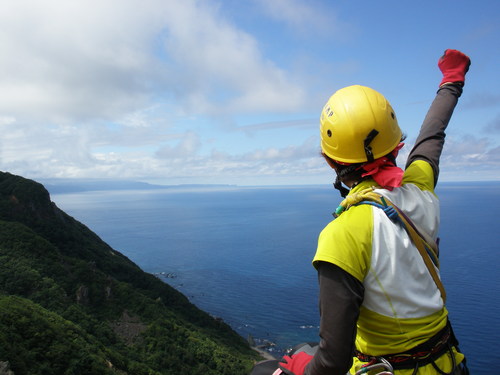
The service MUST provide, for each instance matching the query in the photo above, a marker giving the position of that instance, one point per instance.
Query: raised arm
(429, 144)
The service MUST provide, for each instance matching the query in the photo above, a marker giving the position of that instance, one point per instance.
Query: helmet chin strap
(338, 185)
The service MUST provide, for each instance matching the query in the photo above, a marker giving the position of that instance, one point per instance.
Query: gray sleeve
(341, 296)
(430, 140)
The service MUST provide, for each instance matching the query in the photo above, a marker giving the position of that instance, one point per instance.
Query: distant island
(61, 185)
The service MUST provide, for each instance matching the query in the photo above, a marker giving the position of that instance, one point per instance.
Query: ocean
(244, 254)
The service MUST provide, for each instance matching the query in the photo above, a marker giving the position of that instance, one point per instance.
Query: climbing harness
(427, 353)
(427, 247)
(422, 354)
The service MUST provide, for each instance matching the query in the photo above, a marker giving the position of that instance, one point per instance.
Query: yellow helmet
(358, 125)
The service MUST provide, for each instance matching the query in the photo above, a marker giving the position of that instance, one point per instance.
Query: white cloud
(181, 162)
(92, 59)
(470, 152)
(287, 155)
(68, 60)
(82, 80)
(221, 68)
(187, 147)
(465, 158)
(252, 129)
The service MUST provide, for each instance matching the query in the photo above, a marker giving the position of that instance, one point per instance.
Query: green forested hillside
(70, 304)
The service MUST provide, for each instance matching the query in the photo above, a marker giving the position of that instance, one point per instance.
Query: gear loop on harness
(377, 363)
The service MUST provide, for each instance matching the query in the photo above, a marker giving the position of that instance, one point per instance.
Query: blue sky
(186, 91)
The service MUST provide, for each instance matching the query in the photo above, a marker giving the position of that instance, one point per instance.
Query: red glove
(295, 364)
(453, 64)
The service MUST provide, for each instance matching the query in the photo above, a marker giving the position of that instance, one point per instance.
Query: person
(377, 297)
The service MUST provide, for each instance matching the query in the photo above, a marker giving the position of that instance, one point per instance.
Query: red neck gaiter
(384, 172)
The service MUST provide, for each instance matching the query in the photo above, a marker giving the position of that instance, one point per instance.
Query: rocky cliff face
(5, 368)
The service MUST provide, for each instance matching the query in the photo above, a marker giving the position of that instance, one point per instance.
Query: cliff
(70, 304)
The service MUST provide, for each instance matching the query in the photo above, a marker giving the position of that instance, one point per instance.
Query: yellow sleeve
(420, 173)
(347, 241)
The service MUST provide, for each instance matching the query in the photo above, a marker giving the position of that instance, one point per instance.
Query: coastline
(264, 354)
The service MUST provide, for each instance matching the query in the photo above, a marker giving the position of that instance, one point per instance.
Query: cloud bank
(170, 90)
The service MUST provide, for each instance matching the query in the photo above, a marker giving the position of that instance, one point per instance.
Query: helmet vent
(329, 132)
(392, 115)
